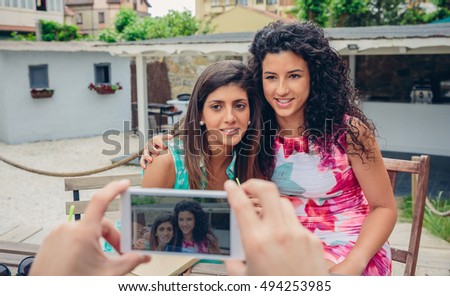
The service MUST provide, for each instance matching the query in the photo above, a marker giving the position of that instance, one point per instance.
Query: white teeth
(283, 101)
(229, 130)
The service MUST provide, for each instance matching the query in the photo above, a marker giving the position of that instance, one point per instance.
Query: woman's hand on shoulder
(153, 148)
(161, 173)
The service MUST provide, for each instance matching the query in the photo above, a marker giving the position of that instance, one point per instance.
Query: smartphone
(195, 223)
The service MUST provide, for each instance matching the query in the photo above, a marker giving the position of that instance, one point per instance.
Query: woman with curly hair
(322, 149)
(192, 231)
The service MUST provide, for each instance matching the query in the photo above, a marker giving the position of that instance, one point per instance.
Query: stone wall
(184, 70)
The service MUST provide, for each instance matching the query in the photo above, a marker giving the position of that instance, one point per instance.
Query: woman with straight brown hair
(219, 139)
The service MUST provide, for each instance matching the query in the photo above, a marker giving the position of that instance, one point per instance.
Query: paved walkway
(434, 253)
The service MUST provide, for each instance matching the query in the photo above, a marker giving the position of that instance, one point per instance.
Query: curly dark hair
(201, 229)
(332, 95)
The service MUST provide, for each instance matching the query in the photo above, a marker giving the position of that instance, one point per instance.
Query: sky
(161, 7)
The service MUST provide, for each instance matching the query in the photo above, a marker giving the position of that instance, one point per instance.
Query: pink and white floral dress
(327, 197)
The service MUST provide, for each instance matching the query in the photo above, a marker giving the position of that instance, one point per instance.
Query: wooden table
(208, 269)
(11, 253)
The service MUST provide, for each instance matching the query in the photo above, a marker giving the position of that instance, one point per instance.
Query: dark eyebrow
(221, 101)
(289, 72)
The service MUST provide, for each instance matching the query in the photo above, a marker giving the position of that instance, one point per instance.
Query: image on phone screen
(199, 225)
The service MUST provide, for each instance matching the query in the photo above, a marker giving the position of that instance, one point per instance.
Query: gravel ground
(37, 200)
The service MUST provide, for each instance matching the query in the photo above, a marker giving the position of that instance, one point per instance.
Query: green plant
(108, 88)
(437, 225)
(19, 37)
(53, 31)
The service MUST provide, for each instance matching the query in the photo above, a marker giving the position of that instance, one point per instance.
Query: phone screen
(198, 225)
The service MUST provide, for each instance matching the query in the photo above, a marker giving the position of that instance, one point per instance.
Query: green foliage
(181, 23)
(313, 10)
(53, 31)
(143, 200)
(129, 27)
(436, 225)
(136, 31)
(349, 13)
(108, 35)
(124, 18)
(19, 37)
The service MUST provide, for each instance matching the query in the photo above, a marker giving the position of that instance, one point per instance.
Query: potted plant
(41, 93)
(104, 89)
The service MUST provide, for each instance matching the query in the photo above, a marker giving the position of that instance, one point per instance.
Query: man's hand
(74, 248)
(275, 243)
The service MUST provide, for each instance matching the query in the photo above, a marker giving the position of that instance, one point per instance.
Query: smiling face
(286, 84)
(226, 113)
(164, 233)
(186, 222)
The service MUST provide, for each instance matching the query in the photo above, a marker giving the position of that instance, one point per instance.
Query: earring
(249, 122)
(202, 123)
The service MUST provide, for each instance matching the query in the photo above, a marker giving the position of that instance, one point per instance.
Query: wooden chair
(96, 182)
(421, 167)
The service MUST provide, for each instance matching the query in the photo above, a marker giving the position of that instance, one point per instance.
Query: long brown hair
(216, 75)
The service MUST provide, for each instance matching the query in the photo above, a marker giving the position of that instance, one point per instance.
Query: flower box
(41, 93)
(105, 89)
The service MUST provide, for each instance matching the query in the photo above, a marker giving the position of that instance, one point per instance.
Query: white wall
(74, 110)
(413, 128)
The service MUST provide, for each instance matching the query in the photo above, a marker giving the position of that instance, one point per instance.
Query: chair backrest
(96, 182)
(421, 168)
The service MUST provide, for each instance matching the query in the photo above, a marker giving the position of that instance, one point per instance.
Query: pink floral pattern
(193, 247)
(327, 197)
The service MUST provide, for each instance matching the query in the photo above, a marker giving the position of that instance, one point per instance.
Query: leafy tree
(312, 10)
(51, 31)
(109, 35)
(124, 18)
(348, 13)
(129, 27)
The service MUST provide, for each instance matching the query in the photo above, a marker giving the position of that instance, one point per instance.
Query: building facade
(205, 9)
(22, 15)
(92, 16)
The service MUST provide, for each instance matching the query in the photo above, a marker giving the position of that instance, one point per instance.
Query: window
(38, 76)
(243, 2)
(271, 2)
(41, 5)
(101, 17)
(102, 73)
(79, 18)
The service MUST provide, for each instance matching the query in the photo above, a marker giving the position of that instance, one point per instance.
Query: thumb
(125, 263)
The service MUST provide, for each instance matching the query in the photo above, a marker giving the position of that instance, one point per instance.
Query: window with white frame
(38, 76)
(102, 73)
